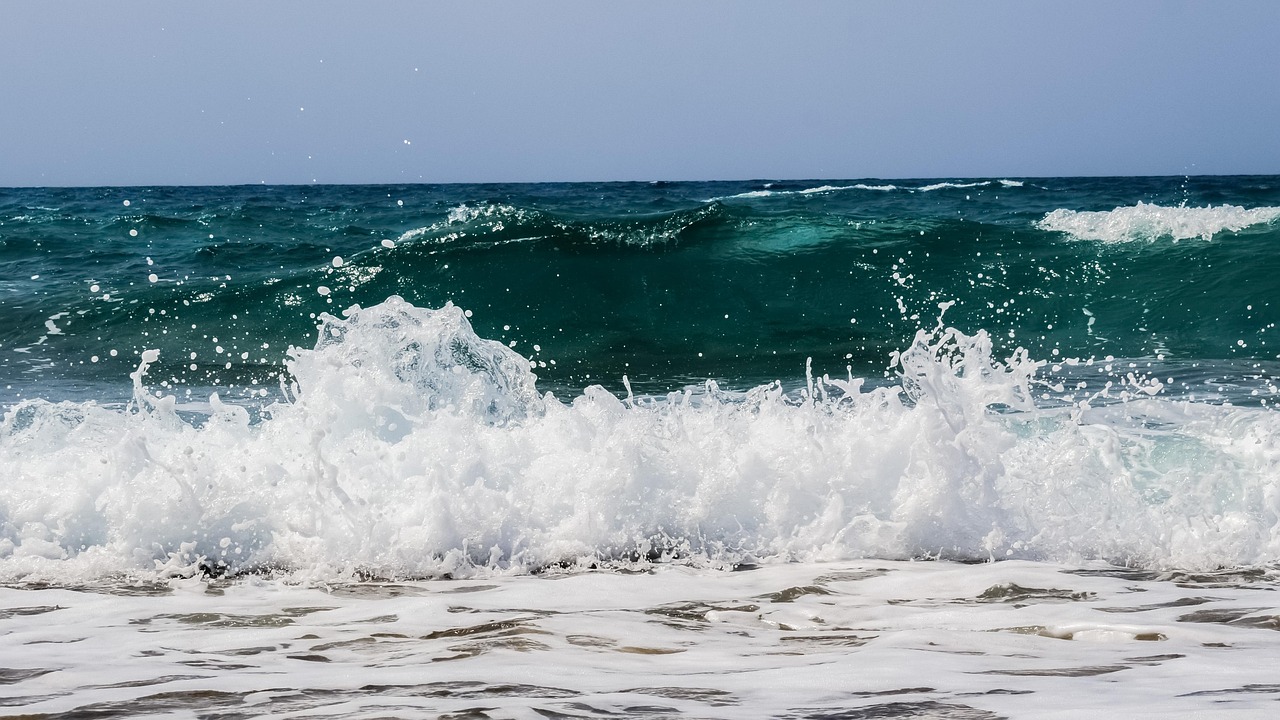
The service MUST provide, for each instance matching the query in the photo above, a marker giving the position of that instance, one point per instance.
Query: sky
(158, 93)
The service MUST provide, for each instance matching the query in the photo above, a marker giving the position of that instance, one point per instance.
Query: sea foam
(413, 448)
(1149, 222)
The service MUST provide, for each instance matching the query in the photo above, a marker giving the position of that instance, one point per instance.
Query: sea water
(965, 448)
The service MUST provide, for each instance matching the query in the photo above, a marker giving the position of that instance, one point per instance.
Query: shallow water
(854, 639)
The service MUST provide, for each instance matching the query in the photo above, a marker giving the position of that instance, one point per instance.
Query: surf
(410, 447)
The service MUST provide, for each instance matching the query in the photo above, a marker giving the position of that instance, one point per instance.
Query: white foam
(850, 639)
(413, 447)
(1149, 222)
(791, 640)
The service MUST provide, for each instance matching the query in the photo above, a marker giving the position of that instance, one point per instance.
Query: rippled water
(851, 640)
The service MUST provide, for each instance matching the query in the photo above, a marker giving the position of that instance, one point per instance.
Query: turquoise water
(417, 381)
(666, 283)
(518, 451)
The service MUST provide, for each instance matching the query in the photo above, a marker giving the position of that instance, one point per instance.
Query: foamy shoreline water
(868, 639)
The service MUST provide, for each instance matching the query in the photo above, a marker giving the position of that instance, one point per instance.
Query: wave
(1149, 222)
(836, 188)
(411, 447)
(497, 223)
(945, 185)
(822, 189)
(978, 183)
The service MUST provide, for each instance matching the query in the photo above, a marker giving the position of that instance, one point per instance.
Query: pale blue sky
(120, 93)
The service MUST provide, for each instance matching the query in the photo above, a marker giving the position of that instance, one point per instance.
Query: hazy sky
(167, 92)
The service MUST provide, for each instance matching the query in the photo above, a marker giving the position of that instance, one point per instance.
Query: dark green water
(669, 283)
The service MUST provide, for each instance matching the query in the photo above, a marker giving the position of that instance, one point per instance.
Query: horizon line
(264, 183)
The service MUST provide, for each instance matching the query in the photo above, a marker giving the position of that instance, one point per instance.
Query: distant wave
(835, 188)
(807, 191)
(822, 189)
(979, 183)
(1148, 222)
(497, 223)
(944, 185)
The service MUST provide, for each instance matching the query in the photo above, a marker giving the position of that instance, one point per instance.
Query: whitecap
(944, 185)
(1148, 222)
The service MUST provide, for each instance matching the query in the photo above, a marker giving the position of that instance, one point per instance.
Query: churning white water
(414, 448)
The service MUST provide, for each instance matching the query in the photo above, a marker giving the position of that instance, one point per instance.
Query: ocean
(933, 448)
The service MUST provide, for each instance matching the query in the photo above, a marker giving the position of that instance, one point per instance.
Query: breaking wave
(1150, 222)
(489, 224)
(411, 447)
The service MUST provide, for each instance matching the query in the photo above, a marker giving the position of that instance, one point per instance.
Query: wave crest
(824, 189)
(488, 224)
